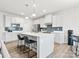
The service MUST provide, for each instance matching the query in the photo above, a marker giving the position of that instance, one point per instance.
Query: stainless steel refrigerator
(36, 28)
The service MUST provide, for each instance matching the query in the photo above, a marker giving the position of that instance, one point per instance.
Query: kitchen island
(45, 43)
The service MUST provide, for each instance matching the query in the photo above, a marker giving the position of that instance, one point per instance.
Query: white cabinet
(38, 21)
(59, 37)
(54, 21)
(43, 21)
(57, 21)
(17, 20)
(12, 19)
(48, 19)
(8, 21)
(11, 36)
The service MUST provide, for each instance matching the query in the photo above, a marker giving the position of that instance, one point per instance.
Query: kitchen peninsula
(45, 43)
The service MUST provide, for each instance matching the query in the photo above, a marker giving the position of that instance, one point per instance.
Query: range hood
(48, 23)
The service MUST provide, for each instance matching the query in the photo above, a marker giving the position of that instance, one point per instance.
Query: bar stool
(20, 42)
(29, 43)
(75, 40)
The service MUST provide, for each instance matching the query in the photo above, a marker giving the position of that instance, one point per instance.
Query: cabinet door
(54, 23)
(57, 21)
(38, 21)
(13, 19)
(48, 19)
(11, 37)
(59, 38)
(8, 21)
(18, 20)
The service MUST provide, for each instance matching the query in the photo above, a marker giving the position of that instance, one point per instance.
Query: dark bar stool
(29, 43)
(75, 40)
(20, 42)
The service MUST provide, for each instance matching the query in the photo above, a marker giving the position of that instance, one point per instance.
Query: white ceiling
(18, 6)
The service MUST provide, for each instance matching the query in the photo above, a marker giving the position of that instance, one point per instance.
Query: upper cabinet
(8, 21)
(18, 20)
(38, 21)
(48, 19)
(57, 21)
(43, 21)
(12, 19)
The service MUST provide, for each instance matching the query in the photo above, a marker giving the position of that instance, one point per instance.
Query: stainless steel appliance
(70, 42)
(36, 28)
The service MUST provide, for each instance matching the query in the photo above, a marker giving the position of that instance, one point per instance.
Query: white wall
(69, 19)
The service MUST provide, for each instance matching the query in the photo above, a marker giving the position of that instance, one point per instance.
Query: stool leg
(76, 49)
(18, 44)
(29, 52)
(71, 48)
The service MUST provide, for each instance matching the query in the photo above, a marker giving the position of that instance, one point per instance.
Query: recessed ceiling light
(34, 5)
(44, 11)
(26, 17)
(22, 13)
(33, 14)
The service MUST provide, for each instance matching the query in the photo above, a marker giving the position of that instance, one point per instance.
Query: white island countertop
(36, 34)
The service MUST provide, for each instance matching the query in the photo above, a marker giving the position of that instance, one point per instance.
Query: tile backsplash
(57, 28)
(51, 29)
(14, 27)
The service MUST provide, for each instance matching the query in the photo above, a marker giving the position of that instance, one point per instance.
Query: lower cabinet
(59, 37)
(10, 36)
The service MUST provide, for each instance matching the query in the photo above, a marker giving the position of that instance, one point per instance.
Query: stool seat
(30, 41)
(21, 39)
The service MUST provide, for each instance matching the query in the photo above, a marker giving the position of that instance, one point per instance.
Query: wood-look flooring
(60, 51)
(16, 52)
